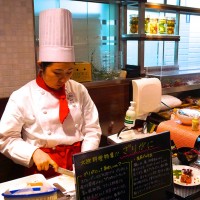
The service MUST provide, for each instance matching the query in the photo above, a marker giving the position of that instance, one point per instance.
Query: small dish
(186, 115)
(186, 155)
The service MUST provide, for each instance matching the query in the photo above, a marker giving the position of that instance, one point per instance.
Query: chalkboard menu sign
(137, 169)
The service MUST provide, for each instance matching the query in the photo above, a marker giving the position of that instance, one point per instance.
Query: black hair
(44, 65)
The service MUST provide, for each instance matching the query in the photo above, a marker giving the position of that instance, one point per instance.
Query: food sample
(177, 173)
(186, 176)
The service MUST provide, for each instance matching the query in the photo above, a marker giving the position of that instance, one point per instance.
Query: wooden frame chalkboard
(137, 169)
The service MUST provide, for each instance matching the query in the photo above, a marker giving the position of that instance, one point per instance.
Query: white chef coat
(32, 113)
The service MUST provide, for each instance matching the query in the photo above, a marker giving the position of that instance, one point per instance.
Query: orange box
(82, 72)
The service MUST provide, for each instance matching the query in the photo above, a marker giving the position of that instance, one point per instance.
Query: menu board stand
(139, 169)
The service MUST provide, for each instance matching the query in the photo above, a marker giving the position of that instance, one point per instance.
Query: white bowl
(186, 115)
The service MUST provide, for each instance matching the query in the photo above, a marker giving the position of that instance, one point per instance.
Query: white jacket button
(42, 92)
(49, 132)
(45, 112)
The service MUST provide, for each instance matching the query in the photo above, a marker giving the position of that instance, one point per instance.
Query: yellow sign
(82, 72)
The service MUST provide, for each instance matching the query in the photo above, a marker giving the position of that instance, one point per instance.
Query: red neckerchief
(60, 94)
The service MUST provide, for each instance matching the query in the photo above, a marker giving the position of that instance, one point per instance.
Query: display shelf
(178, 80)
(180, 89)
(141, 36)
(172, 73)
(164, 7)
(122, 2)
(156, 37)
(172, 8)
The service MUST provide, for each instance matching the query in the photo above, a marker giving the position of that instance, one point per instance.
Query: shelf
(122, 2)
(173, 73)
(166, 7)
(180, 89)
(131, 2)
(151, 37)
(172, 8)
(191, 85)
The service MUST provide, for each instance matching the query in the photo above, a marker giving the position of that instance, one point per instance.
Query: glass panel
(132, 52)
(173, 2)
(156, 1)
(189, 45)
(190, 3)
(187, 3)
(159, 53)
(95, 28)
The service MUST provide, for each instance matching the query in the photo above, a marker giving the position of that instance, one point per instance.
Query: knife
(65, 171)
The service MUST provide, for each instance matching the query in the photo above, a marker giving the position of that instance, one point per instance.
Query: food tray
(20, 183)
(49, 195)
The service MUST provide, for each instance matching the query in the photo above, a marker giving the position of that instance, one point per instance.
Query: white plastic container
(130, 116)
(147, 95)
(31, 194)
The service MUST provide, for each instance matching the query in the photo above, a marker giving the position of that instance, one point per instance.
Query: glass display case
(153, 38)
(166, 44)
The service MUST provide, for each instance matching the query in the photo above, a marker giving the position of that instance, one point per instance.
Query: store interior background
(96, 39)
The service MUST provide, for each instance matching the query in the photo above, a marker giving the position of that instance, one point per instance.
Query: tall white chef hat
(55, 36)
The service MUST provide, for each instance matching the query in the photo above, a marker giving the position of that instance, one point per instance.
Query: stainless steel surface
(65, 171)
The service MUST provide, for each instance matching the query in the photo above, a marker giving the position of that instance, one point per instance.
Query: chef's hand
(43, 161)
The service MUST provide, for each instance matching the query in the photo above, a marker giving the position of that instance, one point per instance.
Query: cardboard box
(82, 72)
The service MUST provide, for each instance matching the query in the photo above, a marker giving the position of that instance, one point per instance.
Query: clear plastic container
(170, 25)
(195, 123)
(146, 25)
(162, 25)
(153, 26)
(133, 23)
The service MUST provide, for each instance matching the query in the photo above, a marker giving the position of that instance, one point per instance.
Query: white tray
(20, 183)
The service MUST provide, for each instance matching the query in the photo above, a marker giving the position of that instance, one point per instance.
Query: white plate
(195, 175)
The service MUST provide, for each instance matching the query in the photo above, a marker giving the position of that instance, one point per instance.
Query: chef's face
(57, 74)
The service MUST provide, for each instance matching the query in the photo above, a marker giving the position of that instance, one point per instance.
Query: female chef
(53, 117)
